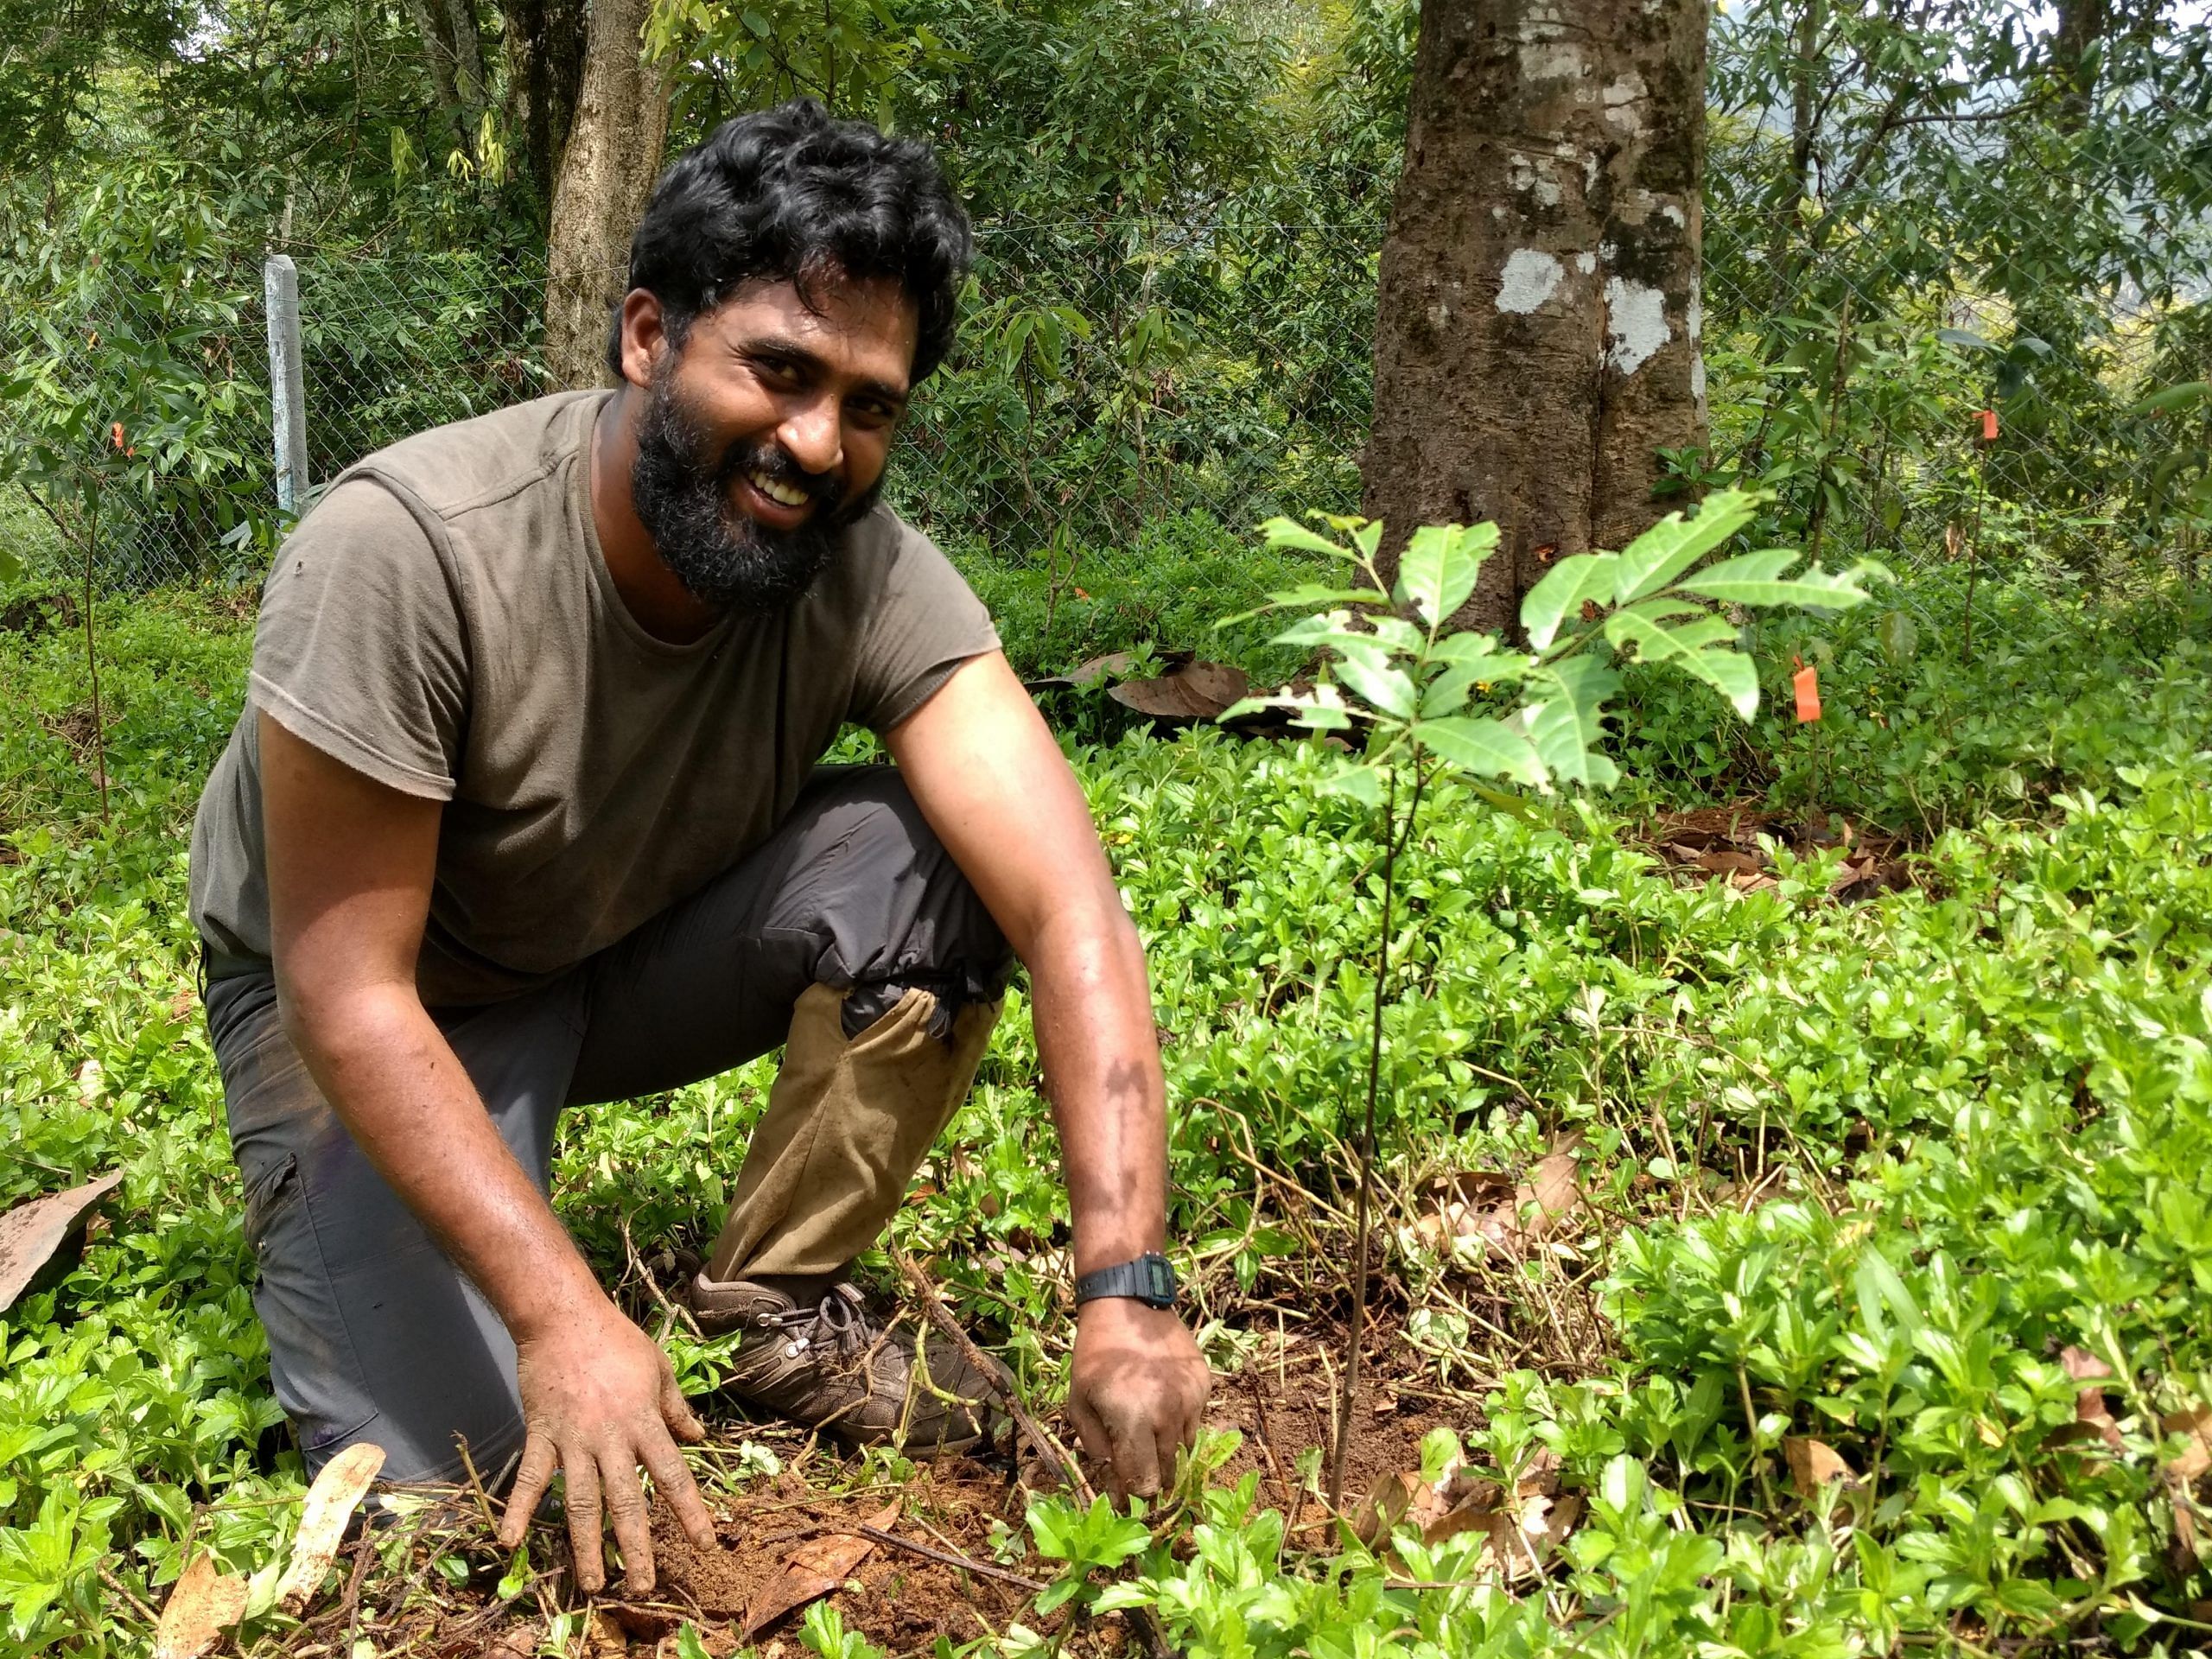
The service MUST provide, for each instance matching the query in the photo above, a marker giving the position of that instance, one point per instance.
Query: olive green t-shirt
(443, 623)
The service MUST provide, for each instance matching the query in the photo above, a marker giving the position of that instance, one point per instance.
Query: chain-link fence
(1113, 374)
(1118, 376)
(1899, 406)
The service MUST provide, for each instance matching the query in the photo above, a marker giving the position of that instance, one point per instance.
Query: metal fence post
(288, 412)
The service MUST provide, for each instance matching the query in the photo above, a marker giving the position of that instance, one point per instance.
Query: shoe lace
(839, 1321)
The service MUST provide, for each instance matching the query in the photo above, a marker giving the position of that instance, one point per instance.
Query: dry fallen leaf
(2196, 1455)
(1722, 860)
(1113, 665)
(815, 1569)
(1813, 1465)
(1403, 1499)
(604, 1638)
(37, 1231)
(2083, 1365)
(2093, 1418)
(342, 1484)
(1523, 1536)
(1551, 1189)
(1479, 1209)
(1473, 1503)
(203, 1605)
(1192, 691)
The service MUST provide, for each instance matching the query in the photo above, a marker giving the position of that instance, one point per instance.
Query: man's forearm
(1092, 1009)
(397, 1086)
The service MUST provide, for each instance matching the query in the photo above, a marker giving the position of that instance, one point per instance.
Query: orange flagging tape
(1806, 682)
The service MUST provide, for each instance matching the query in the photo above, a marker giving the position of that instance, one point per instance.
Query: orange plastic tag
(1806, 682)
(1989, 426)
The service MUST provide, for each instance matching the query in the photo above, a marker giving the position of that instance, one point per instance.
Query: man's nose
(812, 434)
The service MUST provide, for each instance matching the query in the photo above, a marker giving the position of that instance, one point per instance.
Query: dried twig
(1041, 1439)
(116, 1587)
(476, 1485)
(671, 1310)
(947, 1558)
(1290, 1494)
(1394, 842)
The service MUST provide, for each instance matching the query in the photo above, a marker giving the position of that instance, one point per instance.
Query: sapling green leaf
(1567, 727)
(1365, 668)
(1469, 661)
(1704, 649)
(1308, 592)
(1286, 533)
(1578, 579)
(1488, 748)
(1362, 783)
(1439, 569)
(1674, 543)
(1757, 579)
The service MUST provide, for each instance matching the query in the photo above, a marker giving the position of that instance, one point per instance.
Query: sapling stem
(89, 541)
(1394, 841)
(93, 660)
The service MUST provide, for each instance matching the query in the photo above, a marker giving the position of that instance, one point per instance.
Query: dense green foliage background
(1869, 1166)
(1860, 1172)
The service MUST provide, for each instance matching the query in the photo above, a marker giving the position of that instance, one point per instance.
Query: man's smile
(789, 495)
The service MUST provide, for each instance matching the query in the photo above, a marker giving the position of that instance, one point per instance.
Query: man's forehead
(829, 305)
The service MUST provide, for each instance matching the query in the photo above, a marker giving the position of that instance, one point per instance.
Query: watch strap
(1148, 1279)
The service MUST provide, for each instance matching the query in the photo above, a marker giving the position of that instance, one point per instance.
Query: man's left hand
(1139, 1387)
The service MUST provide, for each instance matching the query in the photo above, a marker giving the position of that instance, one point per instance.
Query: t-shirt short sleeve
(926, 623)
(361, 650)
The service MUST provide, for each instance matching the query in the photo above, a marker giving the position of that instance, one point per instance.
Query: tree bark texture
(432, 23)
(545, 72)
(1536, 335)
(607, 174)
(468, 62)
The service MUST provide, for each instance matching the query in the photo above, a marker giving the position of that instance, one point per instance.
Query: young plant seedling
(1396, 666)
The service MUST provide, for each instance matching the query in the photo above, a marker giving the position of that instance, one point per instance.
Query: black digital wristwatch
(1148, 1279)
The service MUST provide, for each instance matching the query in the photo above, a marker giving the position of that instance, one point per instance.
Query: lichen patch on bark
(1531, 277)
(1636, 324)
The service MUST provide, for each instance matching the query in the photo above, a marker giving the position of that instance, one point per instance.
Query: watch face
(1159, 1291)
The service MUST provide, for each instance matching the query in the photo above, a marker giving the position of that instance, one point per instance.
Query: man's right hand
(599, 1400)
(351, 865)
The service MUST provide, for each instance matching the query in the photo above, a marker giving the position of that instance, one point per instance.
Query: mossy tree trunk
(1536, 335)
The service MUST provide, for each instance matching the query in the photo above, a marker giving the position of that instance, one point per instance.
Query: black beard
(682, 495)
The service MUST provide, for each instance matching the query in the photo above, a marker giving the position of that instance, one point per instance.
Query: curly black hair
(791, 195)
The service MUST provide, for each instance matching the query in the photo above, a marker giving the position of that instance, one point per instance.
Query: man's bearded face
(686, 496)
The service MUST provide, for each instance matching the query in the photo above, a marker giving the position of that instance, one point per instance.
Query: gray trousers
(373, 1333)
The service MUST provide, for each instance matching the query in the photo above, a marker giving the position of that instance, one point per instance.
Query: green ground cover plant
(1918, 1181)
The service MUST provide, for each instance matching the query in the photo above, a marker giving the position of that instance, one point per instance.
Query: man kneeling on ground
(525, 812)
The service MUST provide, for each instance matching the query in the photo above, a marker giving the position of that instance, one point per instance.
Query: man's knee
(891, 908)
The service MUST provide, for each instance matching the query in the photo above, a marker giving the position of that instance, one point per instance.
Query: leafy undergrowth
(1857, 1300)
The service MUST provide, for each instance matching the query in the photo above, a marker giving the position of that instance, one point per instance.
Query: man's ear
(643, 336)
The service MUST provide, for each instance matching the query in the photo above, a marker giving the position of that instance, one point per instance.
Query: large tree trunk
(545, 72)
(606, 174)
(1536, 331)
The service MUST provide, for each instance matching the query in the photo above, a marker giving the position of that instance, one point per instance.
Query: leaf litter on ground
(816, 1568)
(330, 1504)
(37, 1234)
(204, 1603)
(1476, 1212)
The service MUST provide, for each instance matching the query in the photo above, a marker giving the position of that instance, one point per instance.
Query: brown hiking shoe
(823, 1360)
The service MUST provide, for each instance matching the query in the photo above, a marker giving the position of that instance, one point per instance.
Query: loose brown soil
(1281, 1401)
(1725, 841)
